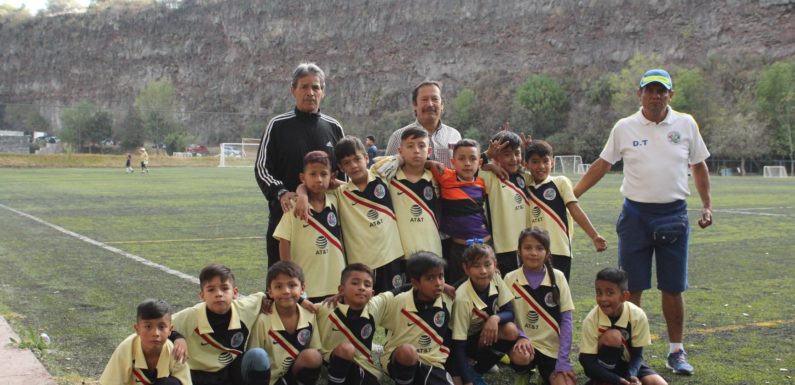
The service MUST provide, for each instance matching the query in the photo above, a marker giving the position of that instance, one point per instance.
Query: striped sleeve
(264, 167)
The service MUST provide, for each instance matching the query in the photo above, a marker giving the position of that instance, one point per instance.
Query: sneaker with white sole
(677, 361)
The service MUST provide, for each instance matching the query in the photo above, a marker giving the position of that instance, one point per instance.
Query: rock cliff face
(235, 56)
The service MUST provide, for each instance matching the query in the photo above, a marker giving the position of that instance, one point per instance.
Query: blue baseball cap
(657, 76)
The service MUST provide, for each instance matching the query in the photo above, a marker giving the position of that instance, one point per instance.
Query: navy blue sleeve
(506, 313)
(597, 372)
(635, 360)
(460, 362)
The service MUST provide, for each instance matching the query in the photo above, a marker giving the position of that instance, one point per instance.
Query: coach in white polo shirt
(657, 145)
(428, 105)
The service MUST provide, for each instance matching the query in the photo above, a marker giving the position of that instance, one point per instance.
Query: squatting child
(543, 307)
(146, 356)
(315, 244)
(557, 205)
(614, 334)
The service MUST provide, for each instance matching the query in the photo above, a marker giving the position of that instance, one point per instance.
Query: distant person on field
(146, 356)
(372, 150)
(614, 334)
(557, 206)
(287, 139)
(657, 145)
(144, 161)
(128, 164)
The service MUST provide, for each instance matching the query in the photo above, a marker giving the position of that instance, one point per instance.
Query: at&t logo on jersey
(372, 215)
(321, 242)
(537, 214)
(416, 212)
(225, 358)
(532, 320)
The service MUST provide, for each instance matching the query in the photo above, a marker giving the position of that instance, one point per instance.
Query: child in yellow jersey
(369, 224)
(555, 205)
(145, 357)
(289, 333)
(614, 334)
(543, 306)
(483, 328)
(315, 244)
(216, 332)
(347, 329)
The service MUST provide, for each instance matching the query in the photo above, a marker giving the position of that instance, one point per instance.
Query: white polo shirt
(656, 156)
(441, 142)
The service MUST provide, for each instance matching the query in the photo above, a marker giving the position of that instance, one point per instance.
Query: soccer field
(69, 239)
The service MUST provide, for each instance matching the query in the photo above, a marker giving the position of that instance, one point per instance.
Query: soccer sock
(338, 370)
(259, 377)
(307, 376)
(675, 346)
(609, 355)
(403, 374)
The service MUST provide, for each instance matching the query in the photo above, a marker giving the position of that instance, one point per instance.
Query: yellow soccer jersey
(369, 225)
(210, 351)
(536, 311)
(508, 206)
(283, 348)
(549, 211)
(426, 329)
(416, 211)
(470, 312)
(127, 365)
(316, 246)
(336, 327)
(633, 325)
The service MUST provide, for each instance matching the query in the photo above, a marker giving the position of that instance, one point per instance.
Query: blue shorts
(654, 230)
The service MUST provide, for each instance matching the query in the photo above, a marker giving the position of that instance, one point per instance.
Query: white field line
(112, 249)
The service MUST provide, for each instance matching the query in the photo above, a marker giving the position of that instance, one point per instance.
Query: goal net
(582, 168)
(243, 154)
(774, 171)
(567, 164)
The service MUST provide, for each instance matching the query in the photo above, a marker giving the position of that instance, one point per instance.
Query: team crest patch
(225, 358)
(549, 300)
(367, 331)
(532, 317)
(397, 281)
(303, 336)
(416, 210)
(237, 340)
(550, 194)
(438, 319)
(425, 340)
(331, 219)
(380, 191)
(427, 193)
(674, 137)
(321, 242)
(520, 182)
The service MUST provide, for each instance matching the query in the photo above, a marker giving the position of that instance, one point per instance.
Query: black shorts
(545, 365)
(425, 374)
(389, 276)
(358, 376)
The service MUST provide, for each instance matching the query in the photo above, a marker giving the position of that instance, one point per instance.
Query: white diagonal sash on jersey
(286, 345)
(212, 342)
(519, 191)
(139, 374)
(537, 307)
(409, 193)
(427, 329)
(550, 213)
(350, 337)
(370, 204)
(322, 230)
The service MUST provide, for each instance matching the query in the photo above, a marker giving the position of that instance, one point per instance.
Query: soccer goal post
(243, 154)
(582, 168)
(567, 164)
(774, 172)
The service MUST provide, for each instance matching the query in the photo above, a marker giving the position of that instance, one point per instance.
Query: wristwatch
(281, 192)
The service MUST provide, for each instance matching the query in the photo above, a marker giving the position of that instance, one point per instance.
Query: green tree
(12, 15)
(625, 84)
(692, 94)
(157, 104)
(740, 136)
(544, 104)
(131, 132)
(61, 6)
(462, 110)
(85, 124)
(775, 101)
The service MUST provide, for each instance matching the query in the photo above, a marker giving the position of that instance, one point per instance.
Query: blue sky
(34, 5)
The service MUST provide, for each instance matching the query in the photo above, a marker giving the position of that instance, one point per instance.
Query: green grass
(84, 297)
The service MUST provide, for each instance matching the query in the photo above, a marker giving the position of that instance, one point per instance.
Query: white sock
(675, 346)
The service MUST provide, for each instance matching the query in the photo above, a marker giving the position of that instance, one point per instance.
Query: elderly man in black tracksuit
(287, 139)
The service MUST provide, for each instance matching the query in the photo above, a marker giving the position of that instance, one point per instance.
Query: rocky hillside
(235, 56)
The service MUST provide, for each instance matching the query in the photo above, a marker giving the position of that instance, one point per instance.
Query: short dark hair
(372, 138)
(152, 309)
(611, 274)
(346, 272)
(513, 139)
(423, 84)
(420, 262)
(347, 146)
(538, 147)
(413, 133)
(477, 251)
(288, 268)
(466, 143)
(317, 157)
(216, 270)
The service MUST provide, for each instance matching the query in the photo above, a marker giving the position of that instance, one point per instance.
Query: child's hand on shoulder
(497, 170)
(180, 351)
(600, 243)
(449, 290)
(302, 208)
